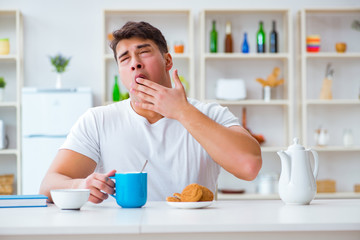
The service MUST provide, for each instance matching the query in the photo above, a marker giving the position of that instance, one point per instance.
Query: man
(184, 140)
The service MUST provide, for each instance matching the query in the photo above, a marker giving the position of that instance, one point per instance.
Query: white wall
(74, 28)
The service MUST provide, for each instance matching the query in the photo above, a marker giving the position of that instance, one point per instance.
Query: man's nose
(136, 65)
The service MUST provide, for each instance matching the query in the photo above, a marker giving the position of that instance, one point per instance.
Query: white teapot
(297, 183)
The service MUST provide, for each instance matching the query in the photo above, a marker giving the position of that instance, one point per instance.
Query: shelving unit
(174, 24)
(11, 69)
(262, 115)
(343, 111)
(249, 66)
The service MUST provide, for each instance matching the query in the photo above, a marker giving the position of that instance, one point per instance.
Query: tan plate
(190, 205)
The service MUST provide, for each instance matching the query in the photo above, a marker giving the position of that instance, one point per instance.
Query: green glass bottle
(260, 39)
(116, 90)
(213, 38)
(273, 39)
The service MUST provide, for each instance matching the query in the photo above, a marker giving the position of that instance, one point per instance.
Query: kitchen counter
(250, 219)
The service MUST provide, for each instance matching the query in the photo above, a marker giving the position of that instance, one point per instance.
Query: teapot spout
(285, 166)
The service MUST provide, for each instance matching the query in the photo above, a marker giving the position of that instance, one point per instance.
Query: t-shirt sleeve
(84, 137)
(220, 114)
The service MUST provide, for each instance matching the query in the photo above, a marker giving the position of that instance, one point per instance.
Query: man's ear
(168, 61)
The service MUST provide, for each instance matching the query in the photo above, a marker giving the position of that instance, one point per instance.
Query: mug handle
(113, 195)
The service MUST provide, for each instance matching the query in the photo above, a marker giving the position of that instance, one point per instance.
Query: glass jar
(267, 183)
(348, 138)
(4, 46)
(179, 47)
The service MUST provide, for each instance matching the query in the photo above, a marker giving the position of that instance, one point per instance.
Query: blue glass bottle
(245, 45)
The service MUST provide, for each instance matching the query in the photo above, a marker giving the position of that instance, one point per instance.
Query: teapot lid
(296, 145)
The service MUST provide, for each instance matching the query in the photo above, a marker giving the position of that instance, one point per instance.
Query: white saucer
(190, 204)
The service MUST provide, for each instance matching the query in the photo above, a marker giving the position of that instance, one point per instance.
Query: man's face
(141, 58)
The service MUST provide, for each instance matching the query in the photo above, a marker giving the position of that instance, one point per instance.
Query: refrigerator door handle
(44, 136)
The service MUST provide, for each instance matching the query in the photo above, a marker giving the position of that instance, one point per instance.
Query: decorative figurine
(271, 82)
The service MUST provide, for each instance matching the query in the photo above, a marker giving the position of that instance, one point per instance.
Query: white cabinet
(176, 25)
(11, 70)
(273, 119)
(337, 162)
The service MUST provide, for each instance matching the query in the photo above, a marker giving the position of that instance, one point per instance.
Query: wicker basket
(357, 188)
(6, 184)
(326, 186)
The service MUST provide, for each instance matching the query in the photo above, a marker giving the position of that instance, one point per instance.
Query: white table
(245, 219)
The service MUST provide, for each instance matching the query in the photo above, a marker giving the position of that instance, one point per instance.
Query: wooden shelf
(8, 58)
(246, 11)
(336, 148)
(332, 55)
(110, 56)
(272, 149)
(257, 56)
(332, 10)
(9, 152)
(333, 102)
(254, 196)
(143, 10)
(8, 104)
(246, 196)
(251, 102)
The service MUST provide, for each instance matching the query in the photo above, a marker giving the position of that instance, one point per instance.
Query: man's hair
(141, 30)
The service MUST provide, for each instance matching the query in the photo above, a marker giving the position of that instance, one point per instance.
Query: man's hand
(100, 186)
(169, 102)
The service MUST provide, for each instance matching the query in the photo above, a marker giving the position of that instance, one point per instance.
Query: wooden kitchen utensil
(326, 92)
(260, 138)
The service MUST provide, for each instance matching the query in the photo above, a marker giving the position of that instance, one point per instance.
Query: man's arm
(232, 148)
(74, 170)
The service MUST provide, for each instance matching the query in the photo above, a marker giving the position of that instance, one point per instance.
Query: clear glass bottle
(213, 38)
(228, 38)
(260, 39)
(245, 45)
(116, 90)
(273, 39)
(348, 138)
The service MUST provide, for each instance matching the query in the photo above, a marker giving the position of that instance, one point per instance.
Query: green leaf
(59, 62)
(2, 82)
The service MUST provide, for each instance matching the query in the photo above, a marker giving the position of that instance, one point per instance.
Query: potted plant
(60, 63)
(2, 88)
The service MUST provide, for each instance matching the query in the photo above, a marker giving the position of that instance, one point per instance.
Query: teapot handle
(316, 162)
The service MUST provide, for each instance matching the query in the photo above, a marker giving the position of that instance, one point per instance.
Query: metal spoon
(144, 166)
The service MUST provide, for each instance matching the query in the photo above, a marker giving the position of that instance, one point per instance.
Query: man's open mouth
(140, 76)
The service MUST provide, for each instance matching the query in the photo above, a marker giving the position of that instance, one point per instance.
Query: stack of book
(14, 201)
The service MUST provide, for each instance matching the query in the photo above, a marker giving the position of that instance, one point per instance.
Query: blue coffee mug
(130, 189)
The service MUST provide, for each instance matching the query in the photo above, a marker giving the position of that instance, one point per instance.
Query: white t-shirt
(116, 137)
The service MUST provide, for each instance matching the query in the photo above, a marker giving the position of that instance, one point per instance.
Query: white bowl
(72, 199)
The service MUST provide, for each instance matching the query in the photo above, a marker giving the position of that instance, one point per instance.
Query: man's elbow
(250, 168)
(44, 189)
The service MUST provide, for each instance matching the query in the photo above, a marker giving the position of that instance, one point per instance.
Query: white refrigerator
(47, 117)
